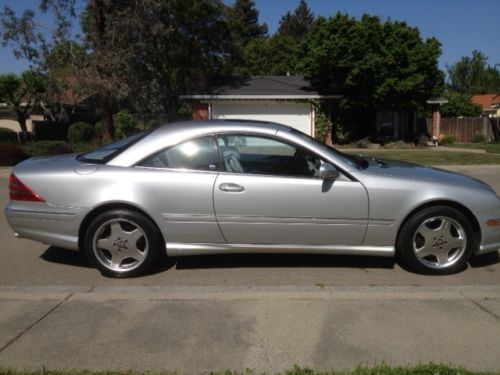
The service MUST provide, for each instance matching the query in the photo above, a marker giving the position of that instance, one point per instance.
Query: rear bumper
(40, 222)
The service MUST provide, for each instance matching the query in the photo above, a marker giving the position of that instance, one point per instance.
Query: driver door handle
(231, 188)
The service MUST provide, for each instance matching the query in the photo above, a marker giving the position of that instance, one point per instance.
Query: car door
(177, 184)
(269, 192)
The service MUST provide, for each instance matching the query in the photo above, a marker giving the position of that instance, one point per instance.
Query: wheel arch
(447, 203)
(111, 206)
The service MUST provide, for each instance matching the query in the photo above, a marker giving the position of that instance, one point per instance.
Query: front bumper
(490, 231)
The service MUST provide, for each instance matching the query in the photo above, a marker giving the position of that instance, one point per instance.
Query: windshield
(104, 154)
(352, 160)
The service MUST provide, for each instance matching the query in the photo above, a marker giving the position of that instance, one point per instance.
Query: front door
(271, 193)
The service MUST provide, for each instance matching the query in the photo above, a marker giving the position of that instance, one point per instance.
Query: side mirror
(328, 172)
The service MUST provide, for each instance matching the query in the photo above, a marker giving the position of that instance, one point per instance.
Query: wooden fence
(465, 128)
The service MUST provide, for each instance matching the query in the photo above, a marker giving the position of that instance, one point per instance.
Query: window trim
(266, 136)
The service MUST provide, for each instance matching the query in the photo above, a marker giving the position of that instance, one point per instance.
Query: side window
(197, 154)
(267, 156)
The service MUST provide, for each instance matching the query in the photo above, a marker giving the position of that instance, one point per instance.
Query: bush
(447, 139)
(151, 124)
(42, 148)
(125, 124)
(479, 138)
(98, 130)
(8, 135)
(362, 143)
(423, 140)
(399, 145)
(80, 132)
(11, 154)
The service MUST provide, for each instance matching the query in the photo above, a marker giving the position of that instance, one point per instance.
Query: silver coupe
(211, 187)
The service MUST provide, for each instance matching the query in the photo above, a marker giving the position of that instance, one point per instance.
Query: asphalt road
(261, 312)
(25, 262)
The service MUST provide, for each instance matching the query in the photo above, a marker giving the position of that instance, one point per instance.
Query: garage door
(296, 115)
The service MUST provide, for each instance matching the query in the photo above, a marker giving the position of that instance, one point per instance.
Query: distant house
(283, 99)
(490, 103)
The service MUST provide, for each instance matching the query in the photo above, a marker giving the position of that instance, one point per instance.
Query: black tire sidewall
(146, 225)
(404, 243)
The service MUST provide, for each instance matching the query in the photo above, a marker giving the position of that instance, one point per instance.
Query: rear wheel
(122, 243)
(436, 240)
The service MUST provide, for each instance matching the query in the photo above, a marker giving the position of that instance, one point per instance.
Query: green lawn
(432, 157)
(492, 148)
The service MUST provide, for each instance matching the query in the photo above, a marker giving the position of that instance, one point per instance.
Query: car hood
(408, 171)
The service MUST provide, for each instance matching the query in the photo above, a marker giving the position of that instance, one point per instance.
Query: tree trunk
(107, 118)
(21, 118)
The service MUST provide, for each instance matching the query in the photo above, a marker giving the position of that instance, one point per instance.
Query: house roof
(262, 87)
(487, 101)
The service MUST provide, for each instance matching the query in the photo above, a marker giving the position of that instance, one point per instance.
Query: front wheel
(436, 240)
(122, 243)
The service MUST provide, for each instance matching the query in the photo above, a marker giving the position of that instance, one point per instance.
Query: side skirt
(185, 249)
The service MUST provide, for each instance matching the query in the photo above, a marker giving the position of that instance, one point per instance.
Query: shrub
(8, 135)
(448, 139)
(42, 148)
(151, 124)
(125, 124)
(362, 143)
(98, 130)
(398, 145)
(80, 132)
(479, 138)
(11, 154)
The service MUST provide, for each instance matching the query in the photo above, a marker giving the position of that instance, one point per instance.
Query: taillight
(20, 192)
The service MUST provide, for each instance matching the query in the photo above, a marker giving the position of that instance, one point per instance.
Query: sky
(460, 25)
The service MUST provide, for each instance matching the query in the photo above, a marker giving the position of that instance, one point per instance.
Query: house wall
(14, 125)
(298, 115)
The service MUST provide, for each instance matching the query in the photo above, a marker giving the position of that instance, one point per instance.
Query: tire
(437, 240)
(123, 243)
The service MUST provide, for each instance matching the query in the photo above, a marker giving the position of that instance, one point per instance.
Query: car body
(207, 187)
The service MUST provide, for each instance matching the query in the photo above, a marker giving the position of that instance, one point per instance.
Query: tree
(459, 105)
(375, 65)
(243, 20)
(297, 25)
(277, 55)
(473, 75)
(22, 93)
(148, 51)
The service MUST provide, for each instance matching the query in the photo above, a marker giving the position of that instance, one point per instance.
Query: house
(490, 103)
(282, 99)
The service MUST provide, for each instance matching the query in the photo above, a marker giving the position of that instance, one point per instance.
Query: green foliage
(22, 93)
(297, 25)
(399, 145)
(152, 124)
(374, 64)
(448, 139)
(362, 143)
(6, 131)
(459, 105)
(11, 154)
(277, 55)
(42, 148)
(244, 24)
(8, 135)
(341, 135)
(473, 75)
(479, 138)
(125, 124)
(321, 125)
(98, 130)
(80, 132)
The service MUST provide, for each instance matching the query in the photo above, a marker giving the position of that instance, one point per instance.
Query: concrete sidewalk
(195, 329)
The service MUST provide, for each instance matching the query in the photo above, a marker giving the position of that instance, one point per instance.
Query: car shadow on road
(489, 259)
(282, 260)
(64, 256)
